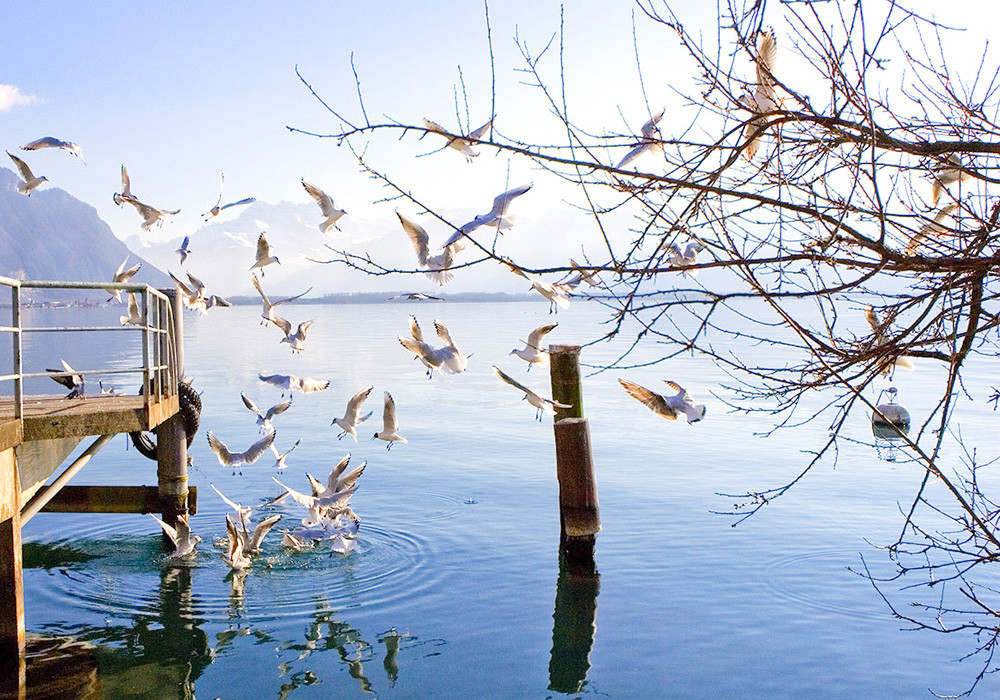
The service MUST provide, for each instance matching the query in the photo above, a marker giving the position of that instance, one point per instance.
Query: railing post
(579, 516)
(15, 322)
(171, 439)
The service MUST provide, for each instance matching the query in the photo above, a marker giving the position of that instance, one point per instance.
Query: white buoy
(891, 420)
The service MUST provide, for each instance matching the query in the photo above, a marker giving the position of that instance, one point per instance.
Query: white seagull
(289, 383)
(321, 508)
(326, 206)
(879, 328)
(390, 424)
(28, 179)
(219, 206)
(184, 251)
(150, 215)
(438, 266)
(542, 405)
(496, 217)
(684, 257)
(121, 276)
(184, 542)
(447, 358)
(649, 141)
(264, 418)
(126, 194)
(947, 173)
(934, 228)
(666, 406)
(764, 99)
(591, 277)
(74, 382)
(557, 293)
(352, 415)
(51, 142)
(134, 318)
(462, 144)
(235, 459)
(280, 457)
(532, 352)
(234, 555)
(267, 314)
(264, 256)
(295, 340)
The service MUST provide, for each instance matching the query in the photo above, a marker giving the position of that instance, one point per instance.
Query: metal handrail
(159, 358)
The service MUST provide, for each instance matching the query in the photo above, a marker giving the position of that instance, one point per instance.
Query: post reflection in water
(574, 625)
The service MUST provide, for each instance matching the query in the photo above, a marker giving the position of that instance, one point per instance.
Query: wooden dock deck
(51, 417)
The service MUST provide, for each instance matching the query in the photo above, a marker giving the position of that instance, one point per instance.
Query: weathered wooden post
(171, 439)
(12, 668)
(579, 516)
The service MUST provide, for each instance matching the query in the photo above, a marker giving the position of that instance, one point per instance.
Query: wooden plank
(11, 434)
(114, 499)
(9, 487)
(11, 582)
(49, 417)
(38, 460)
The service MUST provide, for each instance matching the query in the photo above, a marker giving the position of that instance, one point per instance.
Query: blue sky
(179, 91)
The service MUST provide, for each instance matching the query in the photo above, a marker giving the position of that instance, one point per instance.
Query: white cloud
(11, 97)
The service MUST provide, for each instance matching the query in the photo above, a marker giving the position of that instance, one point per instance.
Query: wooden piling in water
(579, 515)
(12, 667)
(171, 439)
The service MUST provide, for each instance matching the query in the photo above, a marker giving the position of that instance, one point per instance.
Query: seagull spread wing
(418, 236)
(656, 403)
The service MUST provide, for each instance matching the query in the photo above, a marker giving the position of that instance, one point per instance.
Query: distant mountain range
(54, 236)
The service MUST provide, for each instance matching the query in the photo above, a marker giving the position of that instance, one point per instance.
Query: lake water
(452, 592)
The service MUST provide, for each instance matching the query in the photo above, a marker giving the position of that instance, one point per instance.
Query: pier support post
(171, 438)
(12, 668)
(579, 516)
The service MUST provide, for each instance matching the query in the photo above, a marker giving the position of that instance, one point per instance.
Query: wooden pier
(39, 433)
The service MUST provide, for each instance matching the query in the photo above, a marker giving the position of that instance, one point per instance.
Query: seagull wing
(263, 296)
(243, 511)
(282, 381)
(171, 532)
(283, 323)
(254, 452)
(389, 421)
(333, 477)
(297, 496)
(443, 334)
(45, 142)
(249, 403)
(278, 409)
(126, 183)
(767, 52)
(128, 274)
(502, 201)
(649, 128)
(415, 330)
(198, 284)
(309, 385)
(288, 299)
(226, 458)
(354, 405)
(481, 131)
(303, 327)
(513, 382)
(321, 197)
(263, 249)
(22, 167)
(133, 307)
(263, 527)
(535, 337)
(418, 237)
(656, 403)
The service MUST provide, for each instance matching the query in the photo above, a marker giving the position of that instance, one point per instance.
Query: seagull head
(374, 436)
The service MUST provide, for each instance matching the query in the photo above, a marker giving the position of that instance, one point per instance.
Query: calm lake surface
(453, 589)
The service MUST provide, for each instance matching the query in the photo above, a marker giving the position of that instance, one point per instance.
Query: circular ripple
(822, 581)
(421, 507)
(129, 576)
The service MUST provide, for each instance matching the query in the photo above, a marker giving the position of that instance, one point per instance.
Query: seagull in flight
(264, 256)
(126, 194)
(121, 276)
(415, 296)
(557, 293)
(74, 382)
(289, 383)
(667, 407)
(947, 173)
(295, 340)
(51, 142)
(280, 457)
(264, 418)
(196, 296)
(446, 359)
(151, 216)
(28, 179)
(219, 206)
(684, 257)
(438, 266)
(462, 144)
(326, 206)
(352, 415)
(649, 141)
(591, 277)
(764, 99)
(268, 315)
(236, 459)
(496, 217)
(541, 404)
(184, 251)
(134, 318)
(390, 424)
(234, 555)
(532, 352)
(934, 228)
(184, 542)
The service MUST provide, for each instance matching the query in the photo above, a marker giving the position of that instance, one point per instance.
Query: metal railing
(160, 366)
